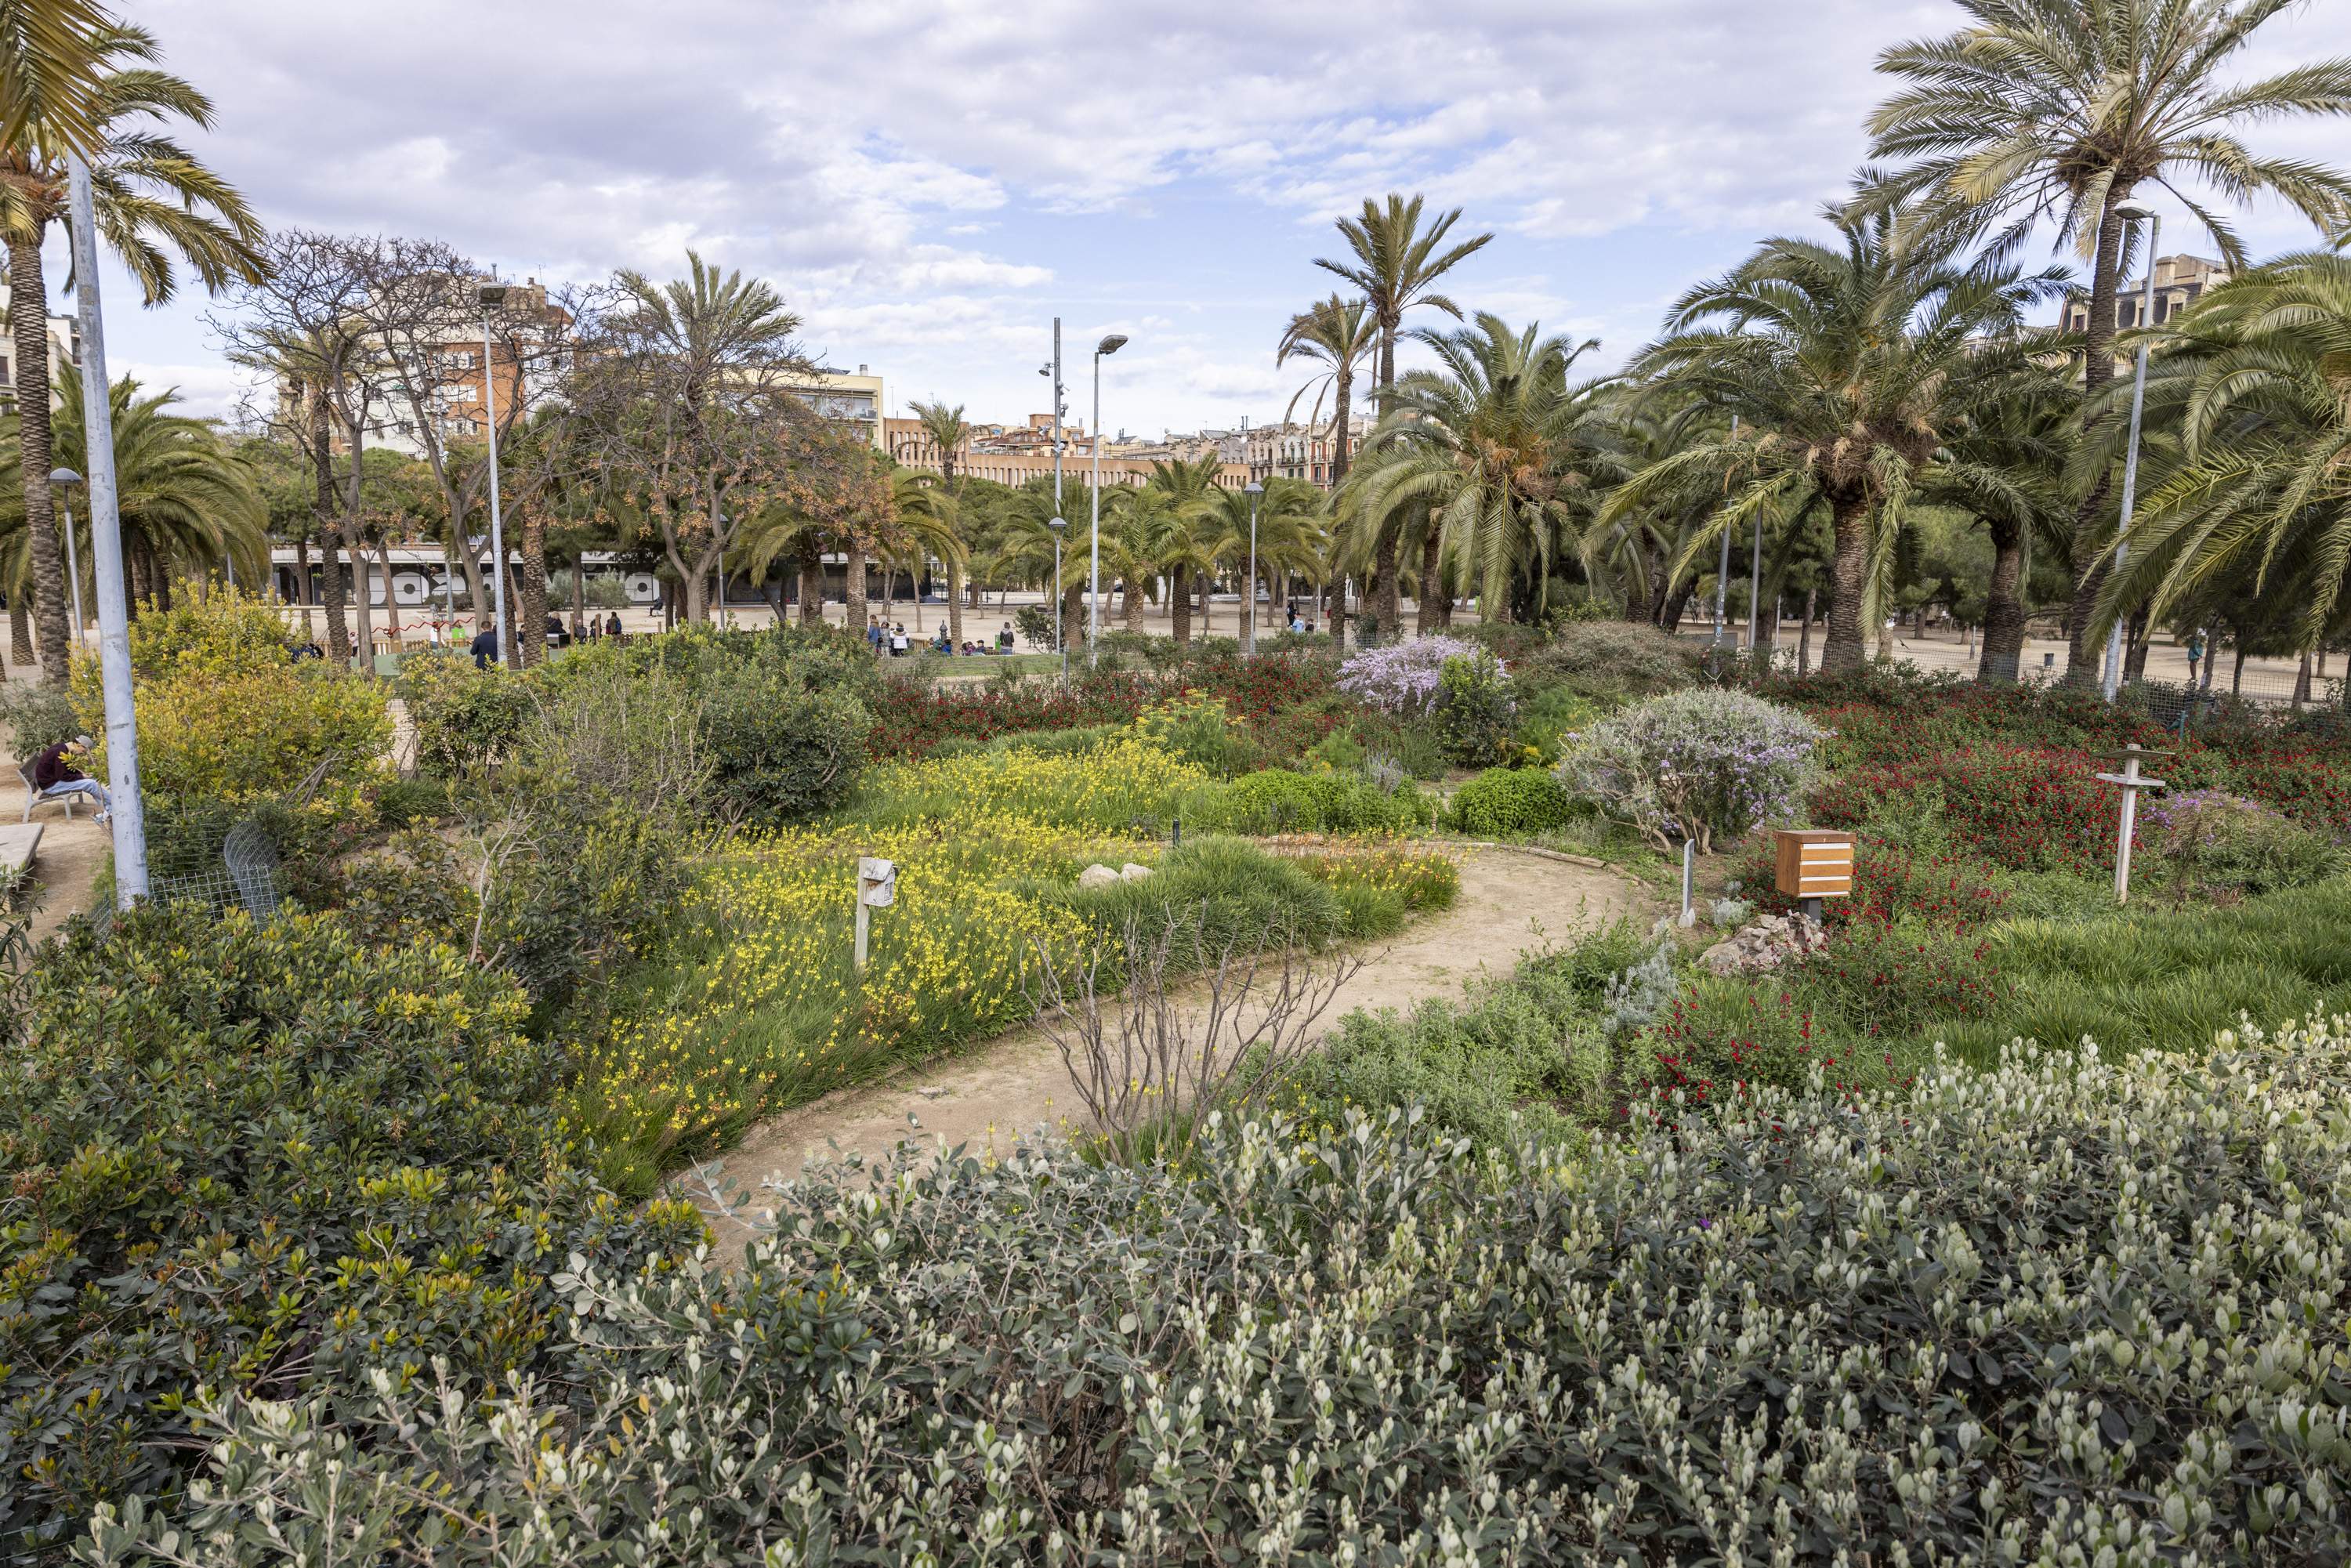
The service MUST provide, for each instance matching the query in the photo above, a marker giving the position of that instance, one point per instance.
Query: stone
(1131, 871)
(1762, 943)
(1097, 876)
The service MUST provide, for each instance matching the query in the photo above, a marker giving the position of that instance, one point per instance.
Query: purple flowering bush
(1402, 677)
(2211, 844)
(1709, 764)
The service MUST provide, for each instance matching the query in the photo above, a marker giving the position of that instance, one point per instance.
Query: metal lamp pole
(492, 296)
(64, 478)
(1109, 345)
(2130, 211)
(1722, 572)
(1059, 525)
(1248, 591)
(129, 811)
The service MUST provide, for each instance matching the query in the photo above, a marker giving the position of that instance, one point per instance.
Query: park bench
(33, 794)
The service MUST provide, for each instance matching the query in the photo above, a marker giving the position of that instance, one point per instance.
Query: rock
(929, 1091)
(1764, 944)
(1097, 876)
(1131, 871)
(1722, 958)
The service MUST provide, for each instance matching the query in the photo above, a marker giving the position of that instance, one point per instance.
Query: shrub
(465, 719)
(1198, 728)
(1510, 802)
(1706, 764)
(1279, 802)
(2208, 844)
(2050, 1312)
(38, 714)
(778, 752)
(1050, 742)
(1475, 709)
(1895, 981)
(1549, 719)
(1610, 659)
(1403, 677)
(2021, 808)
(264, 1158)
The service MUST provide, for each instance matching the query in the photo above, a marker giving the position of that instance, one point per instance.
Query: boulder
(1762, 943)
(1131, 871)
(1098, 876)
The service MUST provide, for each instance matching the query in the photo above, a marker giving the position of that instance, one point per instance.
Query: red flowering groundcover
(2018, 807)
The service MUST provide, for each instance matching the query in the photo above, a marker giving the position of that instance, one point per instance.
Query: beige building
(2180, 282)
(1294, 450)
(850, 399)
(65, 355)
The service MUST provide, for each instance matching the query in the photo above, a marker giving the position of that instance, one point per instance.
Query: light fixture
(491, 295)
(1112, 344)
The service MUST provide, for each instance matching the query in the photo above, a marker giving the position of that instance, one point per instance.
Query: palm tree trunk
(811, 586)
(1207, 611)
(1344, 383)
(1670, 613)
(1432, 573)
(534, 586)
(2141, 637)
(955, 604)
(1847, 647)
(1179, 609)
(20, 632)
(159, 572)
(1389, 604)
(1129, 604)
(2097, 370)
(30, 327)
(853, 590)
(1804, 632)
(2004, 627)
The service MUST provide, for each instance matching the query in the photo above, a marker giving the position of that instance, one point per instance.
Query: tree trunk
(1073, 611)
(1804, 632)
(302, 578)
(1129, 604)
(1389, 603)
(1179, 609)
(355, 542)
(955, 604)
(2141, 637)
(323, 508)
(159, 573)
(1847, 649)
(29, 326)
(1432, 572)
(534, 587)
(853, 588)
(2097, 370)
(2003, 626)
(1669, 615)
(2237, 676)
(2302, 682)
(811, 586)
(579, 594)
(20, 631)
(1208, 607)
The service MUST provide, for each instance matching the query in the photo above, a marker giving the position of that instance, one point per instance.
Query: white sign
(877, 883)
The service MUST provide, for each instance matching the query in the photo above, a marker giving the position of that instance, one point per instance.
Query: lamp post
(1059, 525)
(106, 551)
(1248, 591)
(1722, 572)
(2133, 212)
(492, 296)
(1111, 344)
(63, 478)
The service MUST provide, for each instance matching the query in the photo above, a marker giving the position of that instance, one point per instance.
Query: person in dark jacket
(54, 778)
(486, 647)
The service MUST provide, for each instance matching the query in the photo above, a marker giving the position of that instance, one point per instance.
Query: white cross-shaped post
(2132, 782)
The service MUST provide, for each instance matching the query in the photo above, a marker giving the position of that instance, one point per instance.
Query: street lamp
(1109, 345)
(63, 478)
(492, 296)
(2133, 212)
(1058, 524)
(1249, 591)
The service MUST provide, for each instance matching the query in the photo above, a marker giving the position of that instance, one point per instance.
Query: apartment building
(848, 398)
(1291, 450)
(2180, 282)
(65, 355)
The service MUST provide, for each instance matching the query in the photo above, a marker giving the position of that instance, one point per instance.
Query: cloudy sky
(930, 181)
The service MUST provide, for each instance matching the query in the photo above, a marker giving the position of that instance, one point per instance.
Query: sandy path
(1511, 903)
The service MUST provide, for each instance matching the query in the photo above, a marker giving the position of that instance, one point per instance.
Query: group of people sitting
(893, 639)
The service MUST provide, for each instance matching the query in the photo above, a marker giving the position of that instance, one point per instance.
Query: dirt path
(1512, 903)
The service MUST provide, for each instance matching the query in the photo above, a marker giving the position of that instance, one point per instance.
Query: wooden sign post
(877, 888)
(1809, 864)
(2132, 782)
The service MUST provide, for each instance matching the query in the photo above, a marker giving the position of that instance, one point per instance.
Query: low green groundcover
(2066, 1311)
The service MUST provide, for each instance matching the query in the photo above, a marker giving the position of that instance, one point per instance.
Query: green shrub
(1230, 894)
(266, 1158)
(1610, 659)
(1475, 709)
(779, 753)
(1510, 802)
(1200, 730)
(2068, 1311)
(1279, 802)
(1550, 718)
(2211, 845)
(1708, 765)
(1043, 742)
(466, 718)
(38, 714)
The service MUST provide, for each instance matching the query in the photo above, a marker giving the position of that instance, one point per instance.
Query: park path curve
(1512, 903)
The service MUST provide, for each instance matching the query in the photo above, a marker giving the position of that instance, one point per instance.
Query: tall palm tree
(1337, 335)
(187, 502)
(926, 528)
(1851, 366)
(2012, 478)
(2060, 111)
(153, 199)
(947, 430)
(1290, 535)
(2246, 472)
(1394, 264)
(1189, 543)
(1501, 449)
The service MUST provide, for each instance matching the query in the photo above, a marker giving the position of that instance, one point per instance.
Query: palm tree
(1394, 264)
(1188, 541)
(946, 429)
(2246, 469)
(2060, 111)
(1850, 366)
(187, 503)
(1500, 449)
(926, 527)
(152, 199)
(1291, 537)
(2011, 478)
(1338, 335)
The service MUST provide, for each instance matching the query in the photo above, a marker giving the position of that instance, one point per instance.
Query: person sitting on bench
(54, 778)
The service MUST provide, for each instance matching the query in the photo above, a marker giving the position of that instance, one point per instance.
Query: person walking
(612, 626)
(2195, 654)
(486, 647)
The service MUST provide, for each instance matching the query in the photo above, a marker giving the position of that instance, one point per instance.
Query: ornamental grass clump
(1706, 764)
(2070, 1311)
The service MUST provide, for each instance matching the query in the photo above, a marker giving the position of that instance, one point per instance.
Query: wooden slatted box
(1813, 862)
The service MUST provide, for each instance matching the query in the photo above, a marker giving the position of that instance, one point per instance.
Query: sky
(929, 182)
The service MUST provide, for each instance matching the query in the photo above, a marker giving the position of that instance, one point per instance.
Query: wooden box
(1812, 863)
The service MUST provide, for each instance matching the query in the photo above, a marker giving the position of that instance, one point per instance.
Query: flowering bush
(2208, 844)
(2070, 1311)
(1707, 764)
(2021, 808)
(1402, 677)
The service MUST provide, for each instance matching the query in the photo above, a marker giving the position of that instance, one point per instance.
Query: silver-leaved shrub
(2066, 1311)
(1707, 764)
